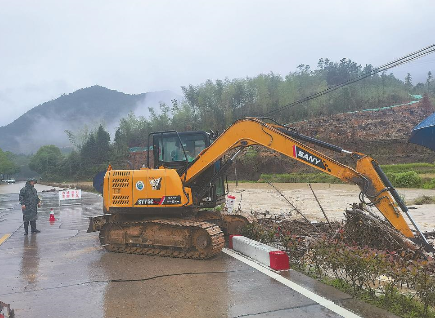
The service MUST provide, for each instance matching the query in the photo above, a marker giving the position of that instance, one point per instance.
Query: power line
(405, 59)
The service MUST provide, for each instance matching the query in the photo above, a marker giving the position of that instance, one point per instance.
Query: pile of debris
(364, 229)
(360, 228)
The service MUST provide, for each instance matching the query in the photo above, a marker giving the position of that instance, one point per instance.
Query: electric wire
(403, 60)
(124, 280)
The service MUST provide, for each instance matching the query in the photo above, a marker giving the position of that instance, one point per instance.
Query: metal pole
(321, 208)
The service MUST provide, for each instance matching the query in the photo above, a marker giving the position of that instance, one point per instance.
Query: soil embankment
(382, 134)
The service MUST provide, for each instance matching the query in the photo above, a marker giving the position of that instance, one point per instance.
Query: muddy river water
(334, 198)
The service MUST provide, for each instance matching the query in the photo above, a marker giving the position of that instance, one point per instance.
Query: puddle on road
(35, 263)
(7, 205)
(30, 261)
(73, 215)
(67, 216)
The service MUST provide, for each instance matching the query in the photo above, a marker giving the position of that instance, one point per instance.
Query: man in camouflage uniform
(29, 205)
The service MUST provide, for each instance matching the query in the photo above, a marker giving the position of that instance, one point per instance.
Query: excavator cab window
(174, 150)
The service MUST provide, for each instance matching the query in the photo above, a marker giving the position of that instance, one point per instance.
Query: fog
(50, 128)
(53, 47)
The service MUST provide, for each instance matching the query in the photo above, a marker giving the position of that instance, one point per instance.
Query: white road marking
(307, 293)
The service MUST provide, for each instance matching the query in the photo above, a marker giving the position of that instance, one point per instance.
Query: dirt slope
(382, 134)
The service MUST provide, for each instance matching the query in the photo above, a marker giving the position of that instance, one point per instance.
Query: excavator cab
(179, 150)
(175, 150)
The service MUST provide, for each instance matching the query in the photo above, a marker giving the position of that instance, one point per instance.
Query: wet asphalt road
(64, 272)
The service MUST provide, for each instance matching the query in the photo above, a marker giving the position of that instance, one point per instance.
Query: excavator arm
(367, 174)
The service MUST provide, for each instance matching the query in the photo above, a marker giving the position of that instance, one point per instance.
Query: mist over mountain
(46, 124)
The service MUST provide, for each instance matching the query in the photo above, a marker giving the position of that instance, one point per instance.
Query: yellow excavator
(162, 209)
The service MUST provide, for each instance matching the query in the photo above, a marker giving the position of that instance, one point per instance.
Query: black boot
(26, 228)
(33, 225)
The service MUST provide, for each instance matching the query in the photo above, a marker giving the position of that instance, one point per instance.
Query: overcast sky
(52, 47)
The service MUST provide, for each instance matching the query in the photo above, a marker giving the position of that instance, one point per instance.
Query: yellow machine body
(156, 188)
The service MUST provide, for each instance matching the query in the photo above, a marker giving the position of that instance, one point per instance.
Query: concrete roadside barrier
(267, 255)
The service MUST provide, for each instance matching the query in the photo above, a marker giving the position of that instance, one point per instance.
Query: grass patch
(299, 178)
(242, 181)
(419, 167)
(407, 175)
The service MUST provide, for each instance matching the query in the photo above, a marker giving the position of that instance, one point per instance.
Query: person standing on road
(29, 205)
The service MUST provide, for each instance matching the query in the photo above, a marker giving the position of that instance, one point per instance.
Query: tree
(47, 161)
(102, 144)
(77, 139)
(428, 81)
(71, 166)
(161, 121)
(7, 166)
(408, 82)
(88, 152)
(132, 132)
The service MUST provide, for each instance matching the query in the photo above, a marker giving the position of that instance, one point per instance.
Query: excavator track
(164, 237)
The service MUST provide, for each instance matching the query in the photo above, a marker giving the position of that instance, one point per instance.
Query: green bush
(409, 179)
(361, 269)
(428, 183)
(256, 232)
(400, 282)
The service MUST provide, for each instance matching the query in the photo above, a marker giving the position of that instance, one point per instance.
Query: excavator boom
(367, 173)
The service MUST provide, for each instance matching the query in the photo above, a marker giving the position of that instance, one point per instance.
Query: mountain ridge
(45, 124)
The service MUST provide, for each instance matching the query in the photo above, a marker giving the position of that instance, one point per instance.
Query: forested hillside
(217, 104)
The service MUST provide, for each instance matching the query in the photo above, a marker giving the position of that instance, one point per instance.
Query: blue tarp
(424, 133)
(427, 122)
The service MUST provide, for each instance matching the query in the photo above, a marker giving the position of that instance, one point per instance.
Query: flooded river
(334, 198)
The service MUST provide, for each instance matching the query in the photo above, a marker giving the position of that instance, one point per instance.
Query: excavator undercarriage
(198, 236)
(164, 237)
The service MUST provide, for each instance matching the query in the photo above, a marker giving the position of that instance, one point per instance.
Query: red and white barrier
(267, 255)
(229, 203)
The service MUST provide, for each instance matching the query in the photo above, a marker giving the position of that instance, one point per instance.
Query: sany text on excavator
(160, 210)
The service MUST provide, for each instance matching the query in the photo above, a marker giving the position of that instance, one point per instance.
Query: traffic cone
(52, 219)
